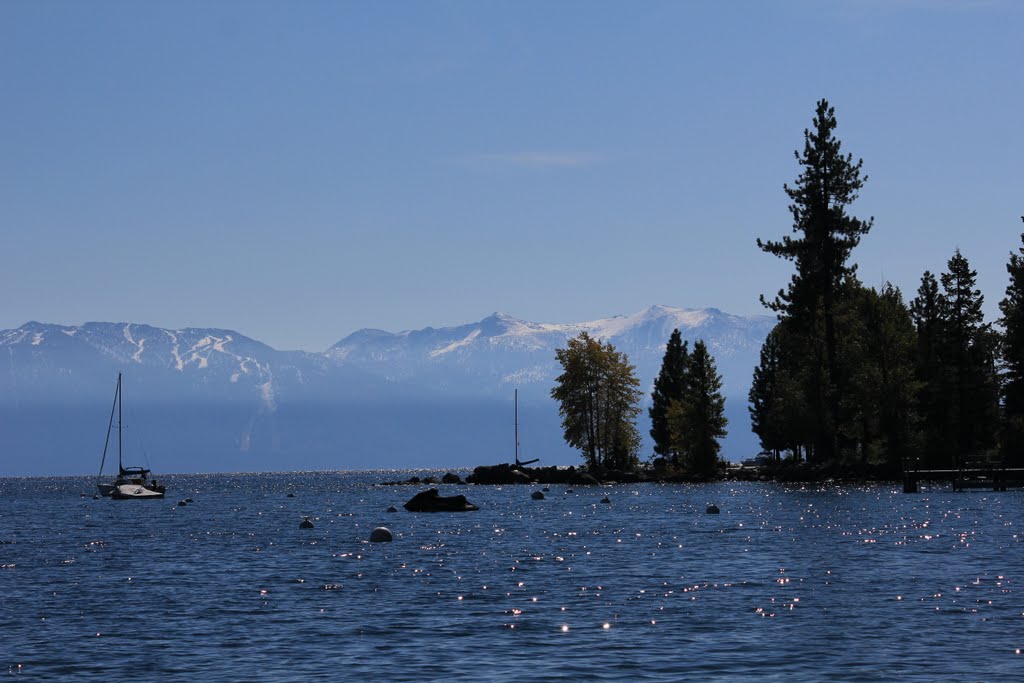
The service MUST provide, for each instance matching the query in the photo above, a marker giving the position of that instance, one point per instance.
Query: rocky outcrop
(432, 501)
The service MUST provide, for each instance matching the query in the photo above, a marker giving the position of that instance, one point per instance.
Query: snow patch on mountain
(462, 343)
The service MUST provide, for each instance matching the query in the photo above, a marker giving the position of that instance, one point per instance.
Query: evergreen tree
(598, 394)
(968, 356)
(698, 420)
(881, 403)
(826, 237)
(768, 396)
(669, 386)
(937, 445)
(1012, 308)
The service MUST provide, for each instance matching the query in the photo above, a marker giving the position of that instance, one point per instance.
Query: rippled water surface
(787, 583)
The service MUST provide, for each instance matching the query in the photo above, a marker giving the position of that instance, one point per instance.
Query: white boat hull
(126, 491)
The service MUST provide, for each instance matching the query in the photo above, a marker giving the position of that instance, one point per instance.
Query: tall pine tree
(968, 359)
(880, 406)
(669, 386)
(1012, 308)
(825, 238)
(698, 421)
(937, 445)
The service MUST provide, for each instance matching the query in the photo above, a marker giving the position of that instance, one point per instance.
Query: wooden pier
(971, 475)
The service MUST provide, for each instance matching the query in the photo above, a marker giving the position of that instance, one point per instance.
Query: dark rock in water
(381, 535)
(305, 523)
(392, 508)
(537, 495)
(546, 489)
(606, 499)
(432, 501)
(568, 490)
(713, 509)
(451, 478)
(413, 480)
(431, 480)
(291, 495)
(499, 474)
(95, 496)
(181, 503)
(189, 500)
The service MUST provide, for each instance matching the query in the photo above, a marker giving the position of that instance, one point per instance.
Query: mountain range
(216, 400)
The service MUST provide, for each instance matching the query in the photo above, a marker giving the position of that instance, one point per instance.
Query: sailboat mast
(517, 424)
(120, 466)
(110, 424)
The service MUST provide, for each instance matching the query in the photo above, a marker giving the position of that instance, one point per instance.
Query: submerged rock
(432, 501)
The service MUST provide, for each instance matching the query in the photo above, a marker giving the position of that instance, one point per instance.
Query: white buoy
(381, 535)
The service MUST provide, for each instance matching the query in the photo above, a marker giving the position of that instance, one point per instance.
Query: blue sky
(296, 171)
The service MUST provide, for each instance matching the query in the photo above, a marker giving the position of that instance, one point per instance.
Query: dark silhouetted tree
(669, 386)
(937, 446)
(968, 361)
(698, 420)
(880, 405)
(825, 236)
(1012, 308)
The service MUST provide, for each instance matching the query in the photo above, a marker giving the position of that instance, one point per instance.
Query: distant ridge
(254, 407)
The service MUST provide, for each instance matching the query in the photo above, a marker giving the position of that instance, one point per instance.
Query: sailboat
(131, 482)
(520, 463)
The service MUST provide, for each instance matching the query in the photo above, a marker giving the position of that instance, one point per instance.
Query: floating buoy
(537, 495)
(713, 509)
(606, 499)
(381, 535)
(305, 523)
(392, 508)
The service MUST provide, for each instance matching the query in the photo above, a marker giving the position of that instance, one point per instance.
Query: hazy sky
(299, 170)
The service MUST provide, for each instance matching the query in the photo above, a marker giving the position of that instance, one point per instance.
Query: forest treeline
(850, 374)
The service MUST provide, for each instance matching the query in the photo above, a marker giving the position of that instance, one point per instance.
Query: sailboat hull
(134, 492)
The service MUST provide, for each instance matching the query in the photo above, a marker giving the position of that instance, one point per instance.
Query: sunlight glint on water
(858, 583)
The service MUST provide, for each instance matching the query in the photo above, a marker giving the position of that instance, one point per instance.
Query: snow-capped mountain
(500, 350)
(216, 400)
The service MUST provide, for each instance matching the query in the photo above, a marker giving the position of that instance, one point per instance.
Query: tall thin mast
(517, 424)
(110, 424)
(120, 467)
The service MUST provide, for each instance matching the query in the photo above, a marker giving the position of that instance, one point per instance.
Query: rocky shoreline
(783, 472)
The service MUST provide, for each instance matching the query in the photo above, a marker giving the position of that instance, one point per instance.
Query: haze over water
(788, 582)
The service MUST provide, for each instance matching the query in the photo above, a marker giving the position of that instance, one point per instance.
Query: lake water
(787, 583)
